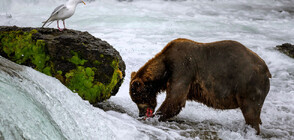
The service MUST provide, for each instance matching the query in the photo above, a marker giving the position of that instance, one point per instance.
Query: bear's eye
(133, 90)
(137, 83)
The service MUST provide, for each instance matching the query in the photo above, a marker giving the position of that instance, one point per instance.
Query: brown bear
(222, 75)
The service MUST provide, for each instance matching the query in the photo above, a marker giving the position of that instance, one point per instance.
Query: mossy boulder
(287, 49)
(85, 64)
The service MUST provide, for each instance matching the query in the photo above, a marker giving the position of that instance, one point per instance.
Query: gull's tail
(45, 22)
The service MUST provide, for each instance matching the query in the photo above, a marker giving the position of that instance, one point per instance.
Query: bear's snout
(143, 108)
(141, 114)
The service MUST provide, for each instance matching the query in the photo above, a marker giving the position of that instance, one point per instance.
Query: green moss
(96, 62)
(59, 72)
(76, 59)
(81, 80)
(19, 47)
(84, 45)
(22, 49)
(47, 71)
(116, 76)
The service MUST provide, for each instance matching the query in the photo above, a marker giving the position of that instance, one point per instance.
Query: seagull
(63, 12)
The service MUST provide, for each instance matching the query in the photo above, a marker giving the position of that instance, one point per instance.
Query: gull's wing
(55, 11)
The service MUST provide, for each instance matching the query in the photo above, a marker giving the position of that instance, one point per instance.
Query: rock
(85, 64)
(287, 49)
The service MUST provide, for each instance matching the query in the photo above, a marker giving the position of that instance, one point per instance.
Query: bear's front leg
(176, 96)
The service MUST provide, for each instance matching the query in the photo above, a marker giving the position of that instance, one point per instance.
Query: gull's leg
(58, 26)
(63, 24)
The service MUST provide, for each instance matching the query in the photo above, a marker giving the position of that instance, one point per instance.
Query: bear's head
(143, 94)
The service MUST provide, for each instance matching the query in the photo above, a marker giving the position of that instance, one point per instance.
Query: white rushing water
(35, 106)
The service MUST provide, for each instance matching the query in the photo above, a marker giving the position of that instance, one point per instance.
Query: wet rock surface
(85, 64)
(287, 49)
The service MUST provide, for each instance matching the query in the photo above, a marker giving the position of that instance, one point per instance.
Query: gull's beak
(84, 2)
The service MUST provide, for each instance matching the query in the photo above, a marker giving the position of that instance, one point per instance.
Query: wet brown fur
(222, 75)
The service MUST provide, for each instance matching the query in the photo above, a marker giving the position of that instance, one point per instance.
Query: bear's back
(219, 53)
(225, 58)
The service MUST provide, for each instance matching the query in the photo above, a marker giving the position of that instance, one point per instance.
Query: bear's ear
(133, 74)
